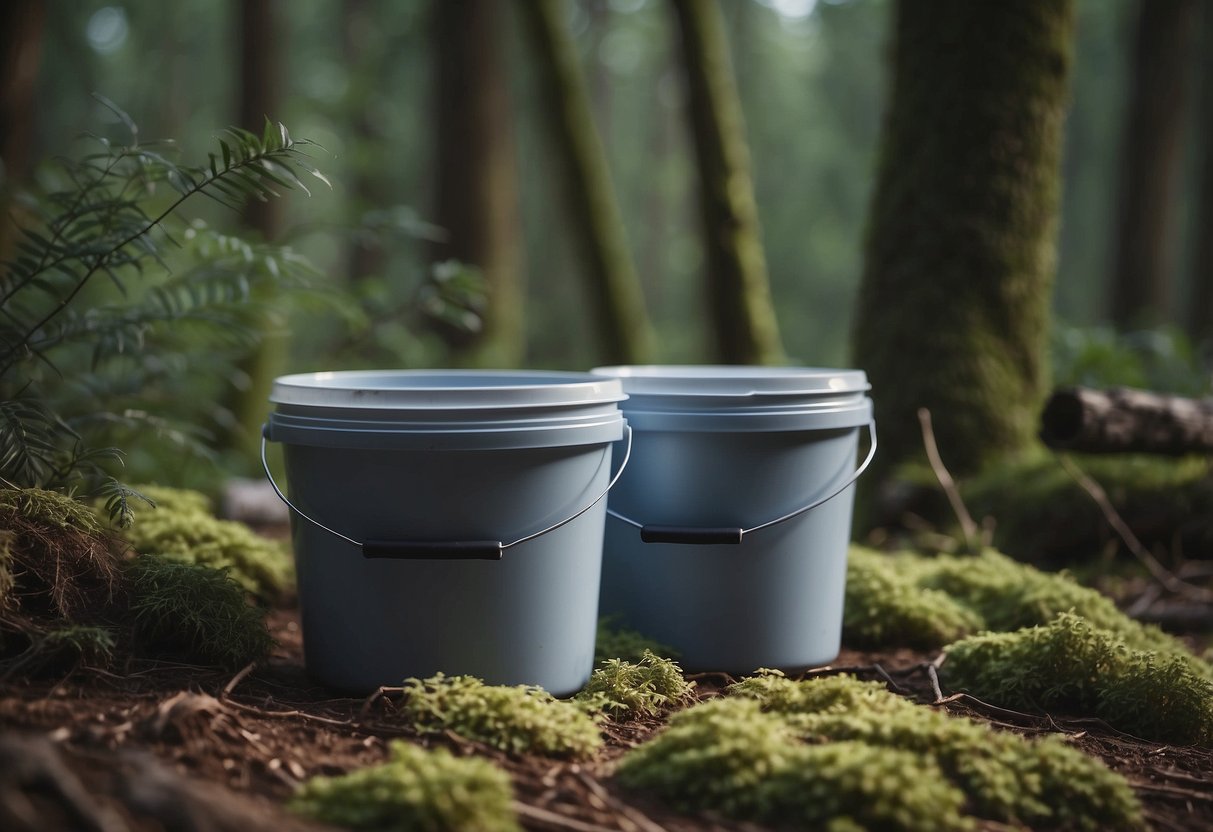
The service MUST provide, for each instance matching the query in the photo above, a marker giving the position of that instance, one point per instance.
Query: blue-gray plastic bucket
(405, 460)
(717, 450)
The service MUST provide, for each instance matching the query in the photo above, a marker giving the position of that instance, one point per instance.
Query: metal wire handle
(728, 534)
(463, 549)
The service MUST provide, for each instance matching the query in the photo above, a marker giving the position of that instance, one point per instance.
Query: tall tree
(953, 304)
(1152, 155)
(618, 301)
(477, 180)
(21, 27)
(1200, 310)
(743, 316)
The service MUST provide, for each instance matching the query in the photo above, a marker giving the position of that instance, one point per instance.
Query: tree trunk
(366, 254)
(1123, 420)
(1153, 142)
(617, 298)
(1200, 310)
(953, 304)
(477, 187)
(21, 27)
(259, 98)
(742, 313)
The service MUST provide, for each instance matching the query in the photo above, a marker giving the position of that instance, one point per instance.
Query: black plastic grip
(435, 550)
(689, 534)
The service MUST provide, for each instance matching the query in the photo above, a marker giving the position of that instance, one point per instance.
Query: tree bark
(1200, 310)
(622, 323)
(1123, 420)
(742, 313)
(21, 28)
(1153, 142)
(954, 300)
(477, 187)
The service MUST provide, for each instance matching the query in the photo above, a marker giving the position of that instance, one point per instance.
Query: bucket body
(447, 458)
(736, 447)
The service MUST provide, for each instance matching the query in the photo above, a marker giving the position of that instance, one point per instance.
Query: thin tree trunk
(477, 181)
(742, 313)
(21, 28)
(1153, 141)
(1200, 310)
(618, 301)
(366, 254)
(953, 306)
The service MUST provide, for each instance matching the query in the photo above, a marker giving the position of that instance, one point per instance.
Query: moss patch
(642, 688)
(628, 645)
(519, 719)
(1072, 665)
(415, 790)
(182, 528)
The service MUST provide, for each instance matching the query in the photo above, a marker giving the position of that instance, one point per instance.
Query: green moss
(643, 688)
(194, 613)
(885, 605)
(729, 756)
(1074, 666)
(182, 529)
(519, 719)
(628, 645)
(1004, 777)
(51, 508)
(416, 789)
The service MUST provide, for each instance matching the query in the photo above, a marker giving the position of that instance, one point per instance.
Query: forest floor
(172, 747)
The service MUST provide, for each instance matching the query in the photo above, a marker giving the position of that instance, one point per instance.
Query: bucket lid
(451, 390)
(729, 381)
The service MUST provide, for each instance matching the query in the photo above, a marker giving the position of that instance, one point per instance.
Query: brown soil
(173, 747)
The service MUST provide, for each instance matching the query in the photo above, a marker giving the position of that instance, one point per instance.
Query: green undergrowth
(615, 642)
(929, 601)
(414, 790)
(1073, 666)
(844, 754)
(642, 688)
(518, 719)
(182, 528)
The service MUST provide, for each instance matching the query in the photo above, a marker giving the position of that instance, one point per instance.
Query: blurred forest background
(371, 81)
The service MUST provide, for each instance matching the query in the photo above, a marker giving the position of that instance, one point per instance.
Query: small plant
(414, 790)
(194, 613)
(519, 720)
(628, 645)
(181, 528)
(1070, 664)
(643, 688)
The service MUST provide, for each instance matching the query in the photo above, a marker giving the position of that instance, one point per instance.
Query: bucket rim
(734, 381)
(438, 389)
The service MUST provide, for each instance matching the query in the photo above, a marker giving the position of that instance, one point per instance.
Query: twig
(552, 820)
(237, 679)
(370, 700)
(975, 538)
(934, 674)
(634, 815)
(1163, 575)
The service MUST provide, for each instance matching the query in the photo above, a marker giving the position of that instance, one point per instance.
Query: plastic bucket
(727, 535)
(447, 521)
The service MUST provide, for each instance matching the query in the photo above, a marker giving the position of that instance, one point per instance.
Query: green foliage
(729, 756)
(519, 720)
(414, 791)
(1162, 359)
(643, 688)
(1073, 665)
(90, 299)
(183, 529)
(886, 605)
(1004, 776)
(194, 613)
(628, 645)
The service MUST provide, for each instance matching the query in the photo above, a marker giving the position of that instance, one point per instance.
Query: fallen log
(1124, 420)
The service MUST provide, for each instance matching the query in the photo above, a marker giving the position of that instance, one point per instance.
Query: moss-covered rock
(520, 719)
(642, 688)
(182, 528)
(1071, 665)
(416, 789)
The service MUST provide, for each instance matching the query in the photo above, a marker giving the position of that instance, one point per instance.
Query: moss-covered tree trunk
(1199, 317)
(1151, 160)
(621, 321)
(953, 305)
(476, 174)
(742, 314)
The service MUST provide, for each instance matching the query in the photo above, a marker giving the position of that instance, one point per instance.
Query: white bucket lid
(448, 390)
(732, 381)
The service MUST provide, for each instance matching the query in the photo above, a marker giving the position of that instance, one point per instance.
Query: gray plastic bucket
(727, 536)
(447, 521)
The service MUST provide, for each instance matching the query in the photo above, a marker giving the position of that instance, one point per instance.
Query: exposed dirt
(173, 747)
